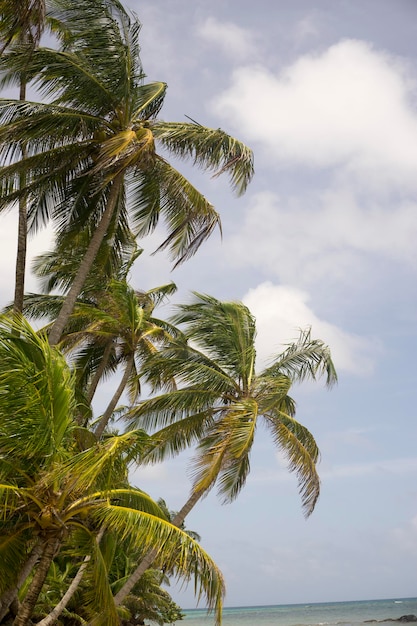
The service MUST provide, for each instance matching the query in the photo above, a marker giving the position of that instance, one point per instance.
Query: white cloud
(349, 105)
(326, 236)
(8, 242)
(280, 311)
(236, 42)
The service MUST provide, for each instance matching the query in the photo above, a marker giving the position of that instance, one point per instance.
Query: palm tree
(121, 326)
(93, 146)
(21, 22)
(221, 400)
(54, 495)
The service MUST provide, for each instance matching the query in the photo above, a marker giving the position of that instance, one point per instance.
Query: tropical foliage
(220, 401)
(79, 544)
(55, 496)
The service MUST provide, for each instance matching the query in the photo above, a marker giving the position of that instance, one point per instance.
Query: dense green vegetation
(79, 544)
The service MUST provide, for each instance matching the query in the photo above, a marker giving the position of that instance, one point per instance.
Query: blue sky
(325, 95)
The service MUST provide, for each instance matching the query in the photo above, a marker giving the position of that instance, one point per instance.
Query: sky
(325, 93)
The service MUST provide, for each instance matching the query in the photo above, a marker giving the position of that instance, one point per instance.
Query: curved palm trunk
(86, 263)
(26, 608)
(50, 619)
(115, 399)
(10, 595)
(152, 554)
(57, 610)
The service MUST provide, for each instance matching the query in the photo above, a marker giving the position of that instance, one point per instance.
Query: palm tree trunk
(20, 257)
(57, 610)
(151, 555)
(115, 399)
(10, 595)
(26, 608)
(99, 373)
(86, 263)
(62, 604)
(22, 225)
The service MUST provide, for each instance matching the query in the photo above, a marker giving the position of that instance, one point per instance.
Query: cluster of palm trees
(79, 544)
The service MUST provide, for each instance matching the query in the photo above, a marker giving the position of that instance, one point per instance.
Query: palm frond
(104, 463)
(149, 100)
(38, 401)
(191, 561)
(159, 411)
(224, 452)
(163, 192)
(302, 453)
(223, 330)
(13, 549)
(191, 367)
(303, 359)
(211, 149)
(169, 441)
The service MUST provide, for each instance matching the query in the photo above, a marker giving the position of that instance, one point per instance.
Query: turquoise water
(317, 614)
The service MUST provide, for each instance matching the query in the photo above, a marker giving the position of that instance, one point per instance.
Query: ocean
(317, 614)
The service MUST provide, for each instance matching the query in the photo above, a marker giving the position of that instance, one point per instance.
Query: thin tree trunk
(86, 263)
(10, 595)
(115, 399)
(62, 604)
(35, 587)
(22, 225)
(151, 555)
(99, 373)
(20, 257)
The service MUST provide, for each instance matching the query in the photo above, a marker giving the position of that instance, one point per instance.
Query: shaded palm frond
(209, 148)
(163, 192)
(169, 441)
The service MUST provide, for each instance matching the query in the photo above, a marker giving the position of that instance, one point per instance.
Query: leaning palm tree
(54, 496)
(93, 146)
(220, 401)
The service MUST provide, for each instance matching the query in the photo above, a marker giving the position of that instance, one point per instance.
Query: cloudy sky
(324, 93)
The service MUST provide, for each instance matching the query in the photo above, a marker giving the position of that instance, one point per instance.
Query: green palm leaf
(190, 558)
(302, 453)
(209, 148)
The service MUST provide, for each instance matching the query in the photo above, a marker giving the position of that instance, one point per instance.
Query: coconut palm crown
(220, 399)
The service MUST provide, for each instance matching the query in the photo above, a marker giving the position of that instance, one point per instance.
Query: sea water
(316, 614)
